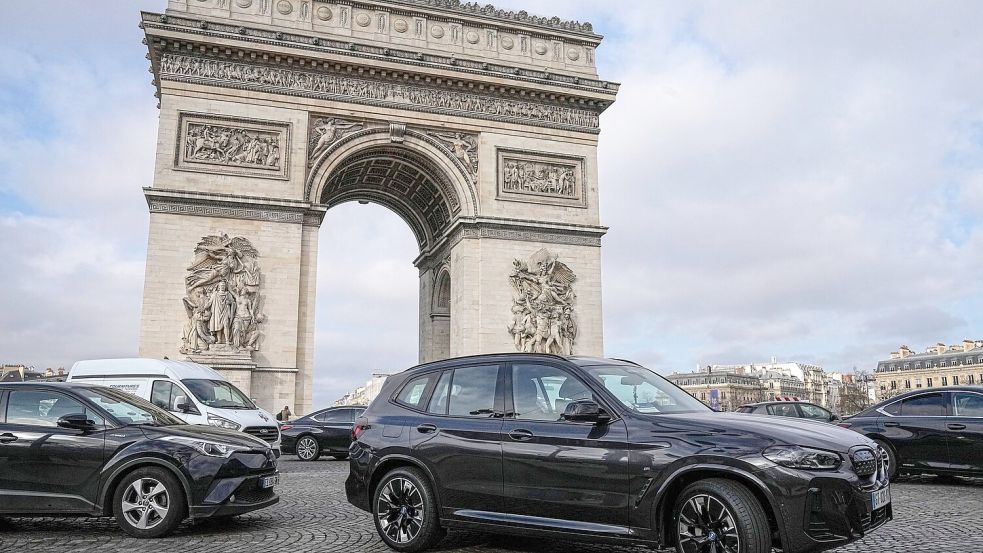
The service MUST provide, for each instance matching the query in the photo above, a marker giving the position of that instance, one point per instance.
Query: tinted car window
(922, 406)
(43, 408)
(412, 393)
(893, 409)
(473, 392)
(164, 393)
(745, 409)
(541, 392)
(438, 403)
(814, 412)
(783, 410)
(341, 415)
(966, 404)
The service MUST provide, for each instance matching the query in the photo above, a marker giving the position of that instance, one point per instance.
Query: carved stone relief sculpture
(463, 146)
(223, 302)
(325, 131)
(543, 317)
(232, 146)
(540, 178)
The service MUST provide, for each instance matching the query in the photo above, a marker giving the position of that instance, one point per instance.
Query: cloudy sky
(798, 180)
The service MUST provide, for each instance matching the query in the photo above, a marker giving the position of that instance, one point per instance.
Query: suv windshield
(219, 394)
(127, 408)
(643, 391)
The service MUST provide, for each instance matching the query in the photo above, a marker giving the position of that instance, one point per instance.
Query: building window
(969, 380)
(955, 380)
(894, 385)
(907, 365)
(941, 363)
(945, 381)
(907, 384)
(928, 382)
(969, 360)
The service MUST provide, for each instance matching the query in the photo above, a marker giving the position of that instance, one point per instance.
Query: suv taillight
(357, 430)
(285, 427)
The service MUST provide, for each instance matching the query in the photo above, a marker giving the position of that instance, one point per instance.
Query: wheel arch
(394, 461)
(113, 479)
(666, 496)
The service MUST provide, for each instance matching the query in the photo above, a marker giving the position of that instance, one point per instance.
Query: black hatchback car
(934, 431)
(76, 449)
(602, 450)
(326, 431)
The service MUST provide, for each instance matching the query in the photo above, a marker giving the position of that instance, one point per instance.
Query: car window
(893, 409)
(814, 412)
(438, 402)
(966, 404)
(643, 391)
(473, 392)
(929, 405)
(165, 394)
(44, 408)
(745, 409)
(542, 392)
(337, 416)
(783, 410)
(412, 393)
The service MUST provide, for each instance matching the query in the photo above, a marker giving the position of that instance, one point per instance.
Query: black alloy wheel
(406, 512)
(308, 449)
(720, 516)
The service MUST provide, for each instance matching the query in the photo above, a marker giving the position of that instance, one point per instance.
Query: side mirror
(182, 405)
(585, 410)
(77, 422)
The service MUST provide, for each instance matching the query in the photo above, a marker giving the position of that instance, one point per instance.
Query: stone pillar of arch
(478, 128)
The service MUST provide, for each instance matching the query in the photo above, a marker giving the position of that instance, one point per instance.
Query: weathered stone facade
(478, 126)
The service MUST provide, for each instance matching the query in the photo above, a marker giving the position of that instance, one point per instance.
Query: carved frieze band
(183, 68)
(590, 237)
(232, 146)
(178, 207)
(541, 178)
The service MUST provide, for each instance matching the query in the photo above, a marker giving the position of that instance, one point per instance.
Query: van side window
(163, 393)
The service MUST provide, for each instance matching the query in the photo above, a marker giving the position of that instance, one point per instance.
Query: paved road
(930, 516)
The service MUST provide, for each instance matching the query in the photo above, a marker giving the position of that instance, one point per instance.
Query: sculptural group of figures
(231, 145)
(539, 178)
(223, 303)
(543, 318)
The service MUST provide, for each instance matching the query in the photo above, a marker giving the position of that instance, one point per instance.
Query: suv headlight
(206, 447)
(223, 423)
(798, 457)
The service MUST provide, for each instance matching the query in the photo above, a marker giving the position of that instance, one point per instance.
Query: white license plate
(880, 498)
(269, 481)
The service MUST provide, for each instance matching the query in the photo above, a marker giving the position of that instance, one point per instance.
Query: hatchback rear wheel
(720, 516)
(405, 511)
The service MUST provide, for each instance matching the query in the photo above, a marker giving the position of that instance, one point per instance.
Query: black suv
(77, 449)
(603, 450)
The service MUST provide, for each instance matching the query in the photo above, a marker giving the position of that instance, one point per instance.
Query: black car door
(335, 430)
(43, 467)
(559, 473)
(915, 426)
(459, 437)
(965, 431)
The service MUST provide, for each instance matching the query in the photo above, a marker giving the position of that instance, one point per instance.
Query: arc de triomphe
(477, 126)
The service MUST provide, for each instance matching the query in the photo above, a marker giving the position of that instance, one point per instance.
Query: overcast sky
(789, 179)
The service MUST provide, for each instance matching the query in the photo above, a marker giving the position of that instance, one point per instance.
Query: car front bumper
(236, 486)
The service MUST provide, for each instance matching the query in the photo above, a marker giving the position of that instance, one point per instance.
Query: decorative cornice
(506, 16)
(226, 206)
(293, 39)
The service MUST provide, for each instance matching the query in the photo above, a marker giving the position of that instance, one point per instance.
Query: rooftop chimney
(895, 355)
(968, 344)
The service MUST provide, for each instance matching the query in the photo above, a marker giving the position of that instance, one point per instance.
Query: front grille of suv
(865, 462)
(267, 433)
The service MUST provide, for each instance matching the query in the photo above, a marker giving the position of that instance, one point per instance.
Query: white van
(195, 393)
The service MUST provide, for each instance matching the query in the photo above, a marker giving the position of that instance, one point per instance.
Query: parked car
(602, 450)
(790, 408)
(194, 393)
(325, 431)
(934, 431)
(79, 449)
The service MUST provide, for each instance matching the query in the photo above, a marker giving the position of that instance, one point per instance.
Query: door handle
(956, 426)
(520, 435)
(892, 424)
(426, 429)
(7, 438)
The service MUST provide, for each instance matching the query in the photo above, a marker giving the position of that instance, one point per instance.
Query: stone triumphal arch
(477, 126)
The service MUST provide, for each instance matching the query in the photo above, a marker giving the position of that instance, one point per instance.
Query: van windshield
(644, 391)
(218, 394)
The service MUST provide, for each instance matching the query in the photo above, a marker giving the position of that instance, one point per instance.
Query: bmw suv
(602, 450)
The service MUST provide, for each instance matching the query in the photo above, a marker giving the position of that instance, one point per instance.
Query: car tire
(149, 503)
(308, 449)
(723, 511)
(405, 511)
(892, 459)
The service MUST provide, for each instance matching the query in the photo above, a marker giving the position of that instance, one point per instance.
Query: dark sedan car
(78, 449)
(327, 431)
(937, 431)
(790, 408)
(607, 451)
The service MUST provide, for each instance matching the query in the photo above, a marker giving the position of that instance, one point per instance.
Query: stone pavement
(930, 516)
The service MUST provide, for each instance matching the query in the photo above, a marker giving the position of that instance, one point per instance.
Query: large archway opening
(376, 312)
